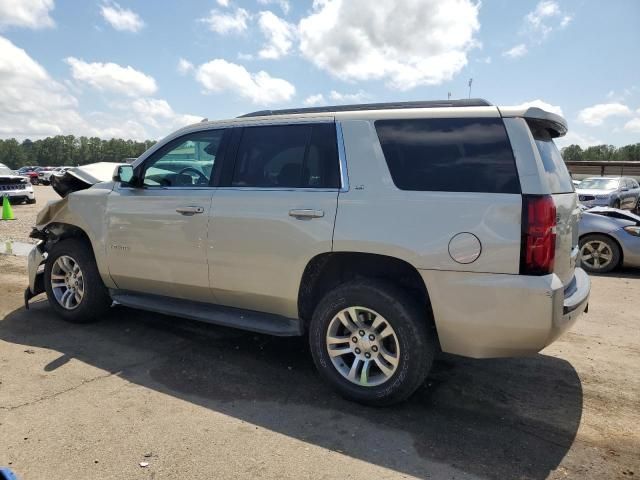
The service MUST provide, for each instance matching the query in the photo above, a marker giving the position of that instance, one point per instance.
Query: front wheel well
(56, 232)
(328, 270)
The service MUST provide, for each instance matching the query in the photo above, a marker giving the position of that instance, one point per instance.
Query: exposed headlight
(633, 230)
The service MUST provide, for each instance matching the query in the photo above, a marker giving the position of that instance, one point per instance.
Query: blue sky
(140, 69)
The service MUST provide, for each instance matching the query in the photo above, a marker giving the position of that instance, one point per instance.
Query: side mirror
(124, 174)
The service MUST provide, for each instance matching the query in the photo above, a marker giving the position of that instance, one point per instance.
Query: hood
(615, 213)
(594, 191)
(13, 179)
(81, 178)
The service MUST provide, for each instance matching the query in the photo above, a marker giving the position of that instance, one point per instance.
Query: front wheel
(599, 253)
(372, 342)
(73, 284)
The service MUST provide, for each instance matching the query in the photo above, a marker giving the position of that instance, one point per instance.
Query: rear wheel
(599, 253)
(72, 282)
(31, 201)
(371, 342)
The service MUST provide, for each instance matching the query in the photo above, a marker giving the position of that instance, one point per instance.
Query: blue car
(609, 238)
(615, 192)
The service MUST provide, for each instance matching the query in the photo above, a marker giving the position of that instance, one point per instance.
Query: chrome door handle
(306, 213)
(189, 211)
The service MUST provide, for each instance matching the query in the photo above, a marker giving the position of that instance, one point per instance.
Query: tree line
(574, 153)
(68, 150)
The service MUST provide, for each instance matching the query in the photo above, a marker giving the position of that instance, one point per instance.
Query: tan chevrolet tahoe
(382, 232)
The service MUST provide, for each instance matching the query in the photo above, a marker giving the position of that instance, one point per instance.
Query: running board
(253, 321)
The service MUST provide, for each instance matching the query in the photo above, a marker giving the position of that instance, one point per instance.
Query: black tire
(616, 204)
(95, 300)
(31, 201)
(413, 330)
(611, 245)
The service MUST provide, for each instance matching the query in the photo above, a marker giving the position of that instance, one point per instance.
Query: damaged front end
(78, 214)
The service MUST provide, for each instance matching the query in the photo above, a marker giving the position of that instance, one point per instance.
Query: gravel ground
(18, 230)
(191, 400)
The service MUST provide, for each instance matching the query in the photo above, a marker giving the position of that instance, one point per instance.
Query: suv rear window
(556, 173)
(449, 154)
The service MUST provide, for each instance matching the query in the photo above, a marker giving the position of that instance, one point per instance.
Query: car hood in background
(615, 213)
(13, 178)
(81, 178)
(585, 191)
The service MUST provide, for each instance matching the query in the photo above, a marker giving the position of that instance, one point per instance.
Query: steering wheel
(203, 178)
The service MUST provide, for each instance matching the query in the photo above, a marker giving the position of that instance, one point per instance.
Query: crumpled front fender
(37, 257)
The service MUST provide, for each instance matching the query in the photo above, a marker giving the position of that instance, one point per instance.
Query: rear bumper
(484, 315)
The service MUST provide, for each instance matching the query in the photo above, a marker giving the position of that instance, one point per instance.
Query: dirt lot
(197, 401)
(19, 228)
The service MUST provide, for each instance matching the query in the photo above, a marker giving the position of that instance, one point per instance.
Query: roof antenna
(448, 95)
(204, 120)
(470, 82)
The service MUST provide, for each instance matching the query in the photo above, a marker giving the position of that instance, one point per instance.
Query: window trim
(141, 169)
(234, 147)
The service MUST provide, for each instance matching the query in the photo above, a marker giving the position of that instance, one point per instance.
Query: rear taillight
(538, 235)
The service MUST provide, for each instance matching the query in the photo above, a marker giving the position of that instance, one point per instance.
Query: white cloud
(633, 125)
(112, 77)
(32, 104)
(245, 56)
(575, 138)
(223, 23)
(516, 52)
(284, 4)
(279, 35)
(184, 66)
(120, 18)
(540, 22)
(597, 114)
(223, 3)
(261, 88)
(26, 13)
(313, 100)
(406, 43)
(543, 105)
(159, 114)
(357, 97)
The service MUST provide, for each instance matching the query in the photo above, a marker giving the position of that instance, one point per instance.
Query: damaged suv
(383, 232)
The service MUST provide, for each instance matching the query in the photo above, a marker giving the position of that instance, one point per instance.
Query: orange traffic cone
(7, 212)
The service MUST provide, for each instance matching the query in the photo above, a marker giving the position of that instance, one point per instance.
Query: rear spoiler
(554, 123)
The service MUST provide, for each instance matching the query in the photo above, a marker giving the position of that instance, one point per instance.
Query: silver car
(614, 192)
(609, 238)
(382, 232)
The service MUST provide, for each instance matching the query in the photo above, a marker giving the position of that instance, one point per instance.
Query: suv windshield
(556, 173)
(599, 184)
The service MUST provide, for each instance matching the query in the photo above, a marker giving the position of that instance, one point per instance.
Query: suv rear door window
(288, 156)
(449, 154)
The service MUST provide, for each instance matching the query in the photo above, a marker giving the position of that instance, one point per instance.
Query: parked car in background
(17, 187)
(609, 238)
(31, 173)
(44, 173)
(576, 183)
(339, 223)
(44, 176)
(614, 192)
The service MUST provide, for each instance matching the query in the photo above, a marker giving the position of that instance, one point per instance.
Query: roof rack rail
(471, 102)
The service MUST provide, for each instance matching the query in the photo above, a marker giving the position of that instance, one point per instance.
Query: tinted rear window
(556, 173)
(449, 155)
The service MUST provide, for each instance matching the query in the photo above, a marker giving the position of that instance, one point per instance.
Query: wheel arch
(327, 270)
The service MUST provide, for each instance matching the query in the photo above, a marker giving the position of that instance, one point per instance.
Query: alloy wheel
(363, 346)
(67, 282)
(596, 254)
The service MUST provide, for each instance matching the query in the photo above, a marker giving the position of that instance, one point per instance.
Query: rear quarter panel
(374, 216)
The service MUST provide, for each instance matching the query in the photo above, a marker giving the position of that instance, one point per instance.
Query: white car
(16, 187)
